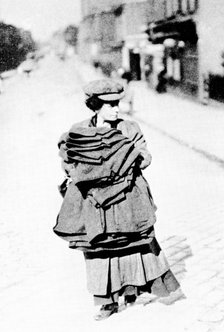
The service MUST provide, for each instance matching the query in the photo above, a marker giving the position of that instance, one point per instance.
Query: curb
(209, 156)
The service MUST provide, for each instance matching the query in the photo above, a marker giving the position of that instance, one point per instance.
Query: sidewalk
(194, 125)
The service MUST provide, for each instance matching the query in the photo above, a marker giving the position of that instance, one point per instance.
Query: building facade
(211, 47)
(110, 32)
(173, 27)
(190, 32)
(184, 37)
(99, 36)
(135, 17)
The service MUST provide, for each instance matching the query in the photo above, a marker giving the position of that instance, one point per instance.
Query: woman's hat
(104, 89)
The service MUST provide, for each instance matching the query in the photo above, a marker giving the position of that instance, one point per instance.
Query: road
(43, 284)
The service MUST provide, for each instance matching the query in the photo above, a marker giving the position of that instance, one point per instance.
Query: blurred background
(182, 38)
(169, 54)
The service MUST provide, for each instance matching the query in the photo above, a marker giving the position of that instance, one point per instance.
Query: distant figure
(162, 81)
(127, 76)
(148, 71)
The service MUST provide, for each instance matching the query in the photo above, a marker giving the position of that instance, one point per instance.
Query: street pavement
(43, 283)
(197, 129)
(192, 124)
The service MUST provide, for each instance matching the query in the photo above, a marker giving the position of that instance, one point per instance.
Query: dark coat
(132, 212)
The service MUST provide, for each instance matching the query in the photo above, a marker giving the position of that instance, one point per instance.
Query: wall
(105, 27)
(136, 15)
(211, 31)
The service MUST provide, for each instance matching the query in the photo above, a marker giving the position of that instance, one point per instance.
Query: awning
(183, 28)
(159, 37)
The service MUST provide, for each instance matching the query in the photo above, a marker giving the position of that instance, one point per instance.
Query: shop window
(192, 6)
(135, 65)
(184, 7)
(188, 6)
(190, 69)
(173, 7)
(176, 6)
(169, 8)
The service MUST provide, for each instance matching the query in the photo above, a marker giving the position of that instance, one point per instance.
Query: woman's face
(109, 111)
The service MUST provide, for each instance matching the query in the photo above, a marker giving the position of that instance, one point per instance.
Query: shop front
(133, 55)
(179, 38)
(153, 57)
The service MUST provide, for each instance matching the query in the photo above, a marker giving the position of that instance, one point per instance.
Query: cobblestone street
(43, 283)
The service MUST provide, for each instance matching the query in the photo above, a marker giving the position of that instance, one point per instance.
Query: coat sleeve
(140, 144)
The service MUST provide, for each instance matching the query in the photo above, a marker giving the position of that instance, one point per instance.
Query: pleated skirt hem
(148, 271)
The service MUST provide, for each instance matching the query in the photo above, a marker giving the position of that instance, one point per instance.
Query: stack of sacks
(102, 163)
(108, 203)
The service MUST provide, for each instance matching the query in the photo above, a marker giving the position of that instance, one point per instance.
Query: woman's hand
(144, 160)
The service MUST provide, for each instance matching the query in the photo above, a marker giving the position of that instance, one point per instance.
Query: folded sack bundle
(106, 181)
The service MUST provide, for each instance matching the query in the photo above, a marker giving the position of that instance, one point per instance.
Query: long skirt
(126, 272)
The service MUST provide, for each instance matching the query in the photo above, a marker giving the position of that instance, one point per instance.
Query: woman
(108, 210)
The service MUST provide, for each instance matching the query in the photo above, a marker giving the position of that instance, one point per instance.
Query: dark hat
(104, 89)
